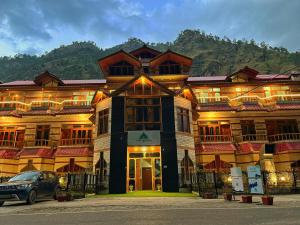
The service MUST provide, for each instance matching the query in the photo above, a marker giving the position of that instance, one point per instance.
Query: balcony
(251, 138)
(76, 141)
(13, 105)
(70, 104)
(45, 105)
(213, 100)
(39, 143)
(215, 138)
(11, 144)
(284, 137)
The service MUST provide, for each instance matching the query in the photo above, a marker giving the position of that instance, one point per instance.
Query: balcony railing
(39, 142)
(12, 144)
(76, 141)
(215, 138)
(76, 103)
(284, 137)
(213, 100)
(13, 105)
(44, 105)
(251, 138)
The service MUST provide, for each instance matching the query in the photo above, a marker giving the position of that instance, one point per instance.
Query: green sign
(140, 138)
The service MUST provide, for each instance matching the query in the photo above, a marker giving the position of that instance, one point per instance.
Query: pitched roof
(143, 48)
(37, 152)
(46, 76)
(126, 85)
(171, 55)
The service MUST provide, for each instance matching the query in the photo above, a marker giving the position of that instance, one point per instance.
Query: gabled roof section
(149, 79)
(145, 48)
(117, 57)
(99, 96)
(187, 92)
(246, 73)
(170, 55)
(45, 78)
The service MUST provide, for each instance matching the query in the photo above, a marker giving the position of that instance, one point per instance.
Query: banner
(255, 180)
(237, 179)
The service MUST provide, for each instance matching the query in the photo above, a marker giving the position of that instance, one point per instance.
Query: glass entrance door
(143, 168)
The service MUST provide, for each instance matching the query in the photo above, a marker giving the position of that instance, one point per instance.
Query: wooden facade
(213, 123)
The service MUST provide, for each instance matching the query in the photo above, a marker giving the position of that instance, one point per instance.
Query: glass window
(103, 121)
(183, 121)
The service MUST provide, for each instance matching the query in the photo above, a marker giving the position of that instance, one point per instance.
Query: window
(42, 135)
(143, 114)
(103, 121)
(76, 135)
(183, 120)
(121, 68)
(169, 67)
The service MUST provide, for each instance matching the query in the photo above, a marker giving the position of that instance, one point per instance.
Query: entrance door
(147, 178)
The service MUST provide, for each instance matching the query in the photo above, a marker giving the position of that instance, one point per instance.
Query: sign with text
(143, 137)
(237, 179)
(255, 180)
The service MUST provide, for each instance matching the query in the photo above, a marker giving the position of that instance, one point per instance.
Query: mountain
(211, 55)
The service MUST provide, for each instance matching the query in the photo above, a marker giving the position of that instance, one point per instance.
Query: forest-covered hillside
(211, 55)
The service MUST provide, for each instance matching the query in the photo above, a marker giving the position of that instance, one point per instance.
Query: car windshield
(28, 176)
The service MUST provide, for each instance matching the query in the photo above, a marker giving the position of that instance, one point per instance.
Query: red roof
(74, 151)
(66, 82)
(251, 107)
(37, 152)
(215, 148)
(272, 76)
(250, 147)
(290, 106)
(215, 107)
(207, 79)
(287, 146)
(75, 111)
(8, 154)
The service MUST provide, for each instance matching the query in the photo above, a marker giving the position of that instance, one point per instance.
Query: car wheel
(31, 197)
(1, 204)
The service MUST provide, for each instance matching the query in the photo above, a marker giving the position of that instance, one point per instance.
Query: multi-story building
(148, 123)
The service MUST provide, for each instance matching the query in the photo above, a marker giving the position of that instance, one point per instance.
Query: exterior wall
(102, 142)
(8, 167)
(185, 141)
(39, 163)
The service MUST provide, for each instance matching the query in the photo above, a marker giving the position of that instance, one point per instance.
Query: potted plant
(131, 188)
(158, 187)
(267, 199)
(227, 194)
(208, 195)
(247, 198)
(61, 196)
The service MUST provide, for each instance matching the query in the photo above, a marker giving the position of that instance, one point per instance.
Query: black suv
(30, 186)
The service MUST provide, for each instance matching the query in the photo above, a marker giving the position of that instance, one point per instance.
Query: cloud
(39, 25)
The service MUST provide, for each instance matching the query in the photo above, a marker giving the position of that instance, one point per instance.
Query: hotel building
(149, 124)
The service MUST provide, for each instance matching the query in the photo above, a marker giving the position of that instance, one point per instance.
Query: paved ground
(154, 210)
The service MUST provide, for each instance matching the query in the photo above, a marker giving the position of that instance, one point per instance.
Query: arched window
(121, 68)
(187, 170)
(169, 67)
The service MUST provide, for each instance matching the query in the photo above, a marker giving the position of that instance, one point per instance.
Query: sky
(36, 26)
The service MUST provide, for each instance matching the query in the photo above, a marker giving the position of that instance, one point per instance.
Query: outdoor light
(282, 178)
(229, 179)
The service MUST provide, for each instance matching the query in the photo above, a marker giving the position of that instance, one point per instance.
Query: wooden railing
(13, 105)
(212, 100)
(251, 137)
(39, 142)
(76, 141)
(44, 105)
(13, 144)
(215, 138)
(75, 104)
(284, 137)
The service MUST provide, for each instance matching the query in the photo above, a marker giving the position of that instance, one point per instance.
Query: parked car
(30, 186)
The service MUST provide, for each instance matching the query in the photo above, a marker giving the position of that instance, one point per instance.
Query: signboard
(255, 180)
(237, 179)
(143, 137)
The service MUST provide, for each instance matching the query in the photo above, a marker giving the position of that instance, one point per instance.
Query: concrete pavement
(124, 210)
